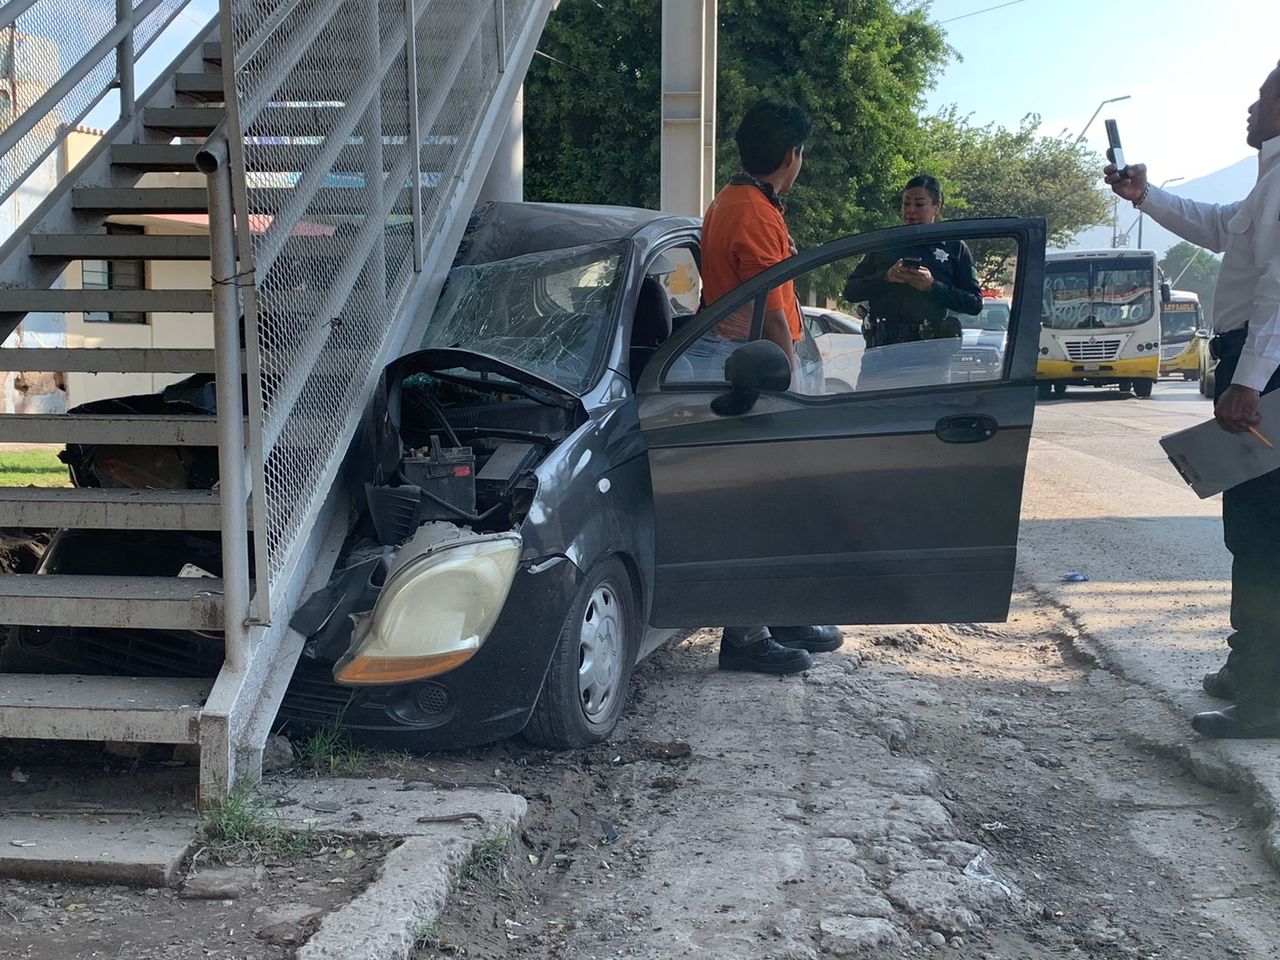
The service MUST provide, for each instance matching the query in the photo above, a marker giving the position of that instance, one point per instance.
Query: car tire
(1142, 388)
(585, 689)
(1044, 390)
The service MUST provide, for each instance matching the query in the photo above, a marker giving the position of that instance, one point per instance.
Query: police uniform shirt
(1248, 291)
(955, 284)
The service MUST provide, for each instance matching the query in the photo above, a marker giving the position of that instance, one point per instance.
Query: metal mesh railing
(325, 116)
(61, 63)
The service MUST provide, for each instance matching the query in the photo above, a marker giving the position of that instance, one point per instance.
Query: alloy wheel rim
(600, 649)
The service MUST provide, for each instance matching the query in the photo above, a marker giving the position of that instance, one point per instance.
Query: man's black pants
(1251, 528)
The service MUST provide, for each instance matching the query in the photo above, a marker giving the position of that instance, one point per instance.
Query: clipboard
(1211, 460)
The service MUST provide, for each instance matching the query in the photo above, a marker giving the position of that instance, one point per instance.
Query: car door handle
(966, 429)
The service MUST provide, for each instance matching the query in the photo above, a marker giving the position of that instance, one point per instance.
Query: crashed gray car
(575, 461)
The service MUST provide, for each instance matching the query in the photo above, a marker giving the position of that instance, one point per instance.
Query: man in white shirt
(1246, 326)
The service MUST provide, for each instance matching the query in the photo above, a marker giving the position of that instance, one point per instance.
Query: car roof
(500, 231)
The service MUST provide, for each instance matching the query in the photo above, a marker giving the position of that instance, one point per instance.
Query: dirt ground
(972, 791)
(976, 791)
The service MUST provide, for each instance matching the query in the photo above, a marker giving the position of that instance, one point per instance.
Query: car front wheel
(586, 685)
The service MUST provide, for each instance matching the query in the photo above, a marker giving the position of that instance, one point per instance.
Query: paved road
(1102, 499)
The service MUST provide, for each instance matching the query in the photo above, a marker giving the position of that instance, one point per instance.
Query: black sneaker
(813, 639)
(763, 655)
(1221, 685)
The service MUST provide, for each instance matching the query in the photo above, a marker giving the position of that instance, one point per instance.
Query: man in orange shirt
(744, 234)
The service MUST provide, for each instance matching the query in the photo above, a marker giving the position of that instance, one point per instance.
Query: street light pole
(1141, 215)
(1095, 116)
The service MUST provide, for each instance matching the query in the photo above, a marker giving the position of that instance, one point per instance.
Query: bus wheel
(1191, 375)
(1044, 390)
(1059, 390)
(1142, 388)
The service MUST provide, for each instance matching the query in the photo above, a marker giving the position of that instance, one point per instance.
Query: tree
(1200, 277)
(859, 66)
(991, 171)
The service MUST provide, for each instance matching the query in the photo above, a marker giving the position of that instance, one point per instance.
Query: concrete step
(94, 508)
(102, 246)
(108, 360)
(126, 709)
(199, 86)
(141, 200)
(133, 603)
(79, 301)
(183, 121)
(186, 430)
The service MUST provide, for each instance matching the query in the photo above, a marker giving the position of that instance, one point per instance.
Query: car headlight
(434, 612)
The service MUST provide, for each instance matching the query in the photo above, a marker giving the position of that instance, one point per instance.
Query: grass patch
(33, 467)
(427, 935)
(246, 826)
(329, 751)
(488, 862)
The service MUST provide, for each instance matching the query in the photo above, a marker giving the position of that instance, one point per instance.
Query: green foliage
(859, 66)
(1201, 277)
(991, 171)
(329, 751)
(488, 862)
(245, 826)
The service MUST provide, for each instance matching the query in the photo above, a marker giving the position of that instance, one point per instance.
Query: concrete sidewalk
(1155, 609)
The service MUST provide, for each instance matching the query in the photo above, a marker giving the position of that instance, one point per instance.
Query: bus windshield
(1098, 294)
(1179, 321)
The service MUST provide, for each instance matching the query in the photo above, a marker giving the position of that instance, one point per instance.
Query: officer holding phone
(912, 294)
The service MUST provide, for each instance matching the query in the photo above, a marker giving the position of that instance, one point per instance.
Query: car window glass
(864, 328)
(676, 270)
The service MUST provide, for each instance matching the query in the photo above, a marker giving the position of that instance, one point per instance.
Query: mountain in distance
(1222, 186)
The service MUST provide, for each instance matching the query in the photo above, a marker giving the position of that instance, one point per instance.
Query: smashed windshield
(549, 313)
(1089, 295)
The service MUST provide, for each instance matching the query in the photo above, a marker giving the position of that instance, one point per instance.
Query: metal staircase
(343, 145)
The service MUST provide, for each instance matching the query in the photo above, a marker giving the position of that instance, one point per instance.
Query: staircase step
(79, 301)
(73, 707)
(102, 246)
(185, 431)
(156, 157)
(202, 86)
(94, 508)
(108, 360)
(183, 121)
(142, 200)
(135, 603)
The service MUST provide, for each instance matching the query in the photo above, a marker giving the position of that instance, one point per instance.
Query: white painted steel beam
(187, 430)
(133, 603)
(124, 709)
(101, 508)
(79, 301)
(505, 181)
(107, 359)
(689, 55)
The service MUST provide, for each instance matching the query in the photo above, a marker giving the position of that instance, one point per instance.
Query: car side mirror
(752, 369)
(1166, 292)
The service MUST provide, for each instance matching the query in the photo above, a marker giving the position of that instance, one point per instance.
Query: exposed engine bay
(449, 458)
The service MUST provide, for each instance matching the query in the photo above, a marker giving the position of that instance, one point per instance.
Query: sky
(1191, 68)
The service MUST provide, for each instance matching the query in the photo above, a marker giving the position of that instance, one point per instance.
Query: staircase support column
(505, 181)
(219, 768)
(689, 54)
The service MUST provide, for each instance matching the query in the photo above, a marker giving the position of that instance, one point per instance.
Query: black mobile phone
(1113, 140)
(912, 263)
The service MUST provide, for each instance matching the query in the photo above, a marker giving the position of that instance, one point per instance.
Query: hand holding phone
(911, 263)
(1116, 153)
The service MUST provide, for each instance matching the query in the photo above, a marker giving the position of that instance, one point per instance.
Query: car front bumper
(487, 698)
(1108, 371)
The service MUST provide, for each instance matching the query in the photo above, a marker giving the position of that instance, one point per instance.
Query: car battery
(447, 477)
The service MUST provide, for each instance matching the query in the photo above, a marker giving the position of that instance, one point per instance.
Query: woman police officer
(912, 293)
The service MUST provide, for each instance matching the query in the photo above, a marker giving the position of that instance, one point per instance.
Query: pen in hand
(1264, 440)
